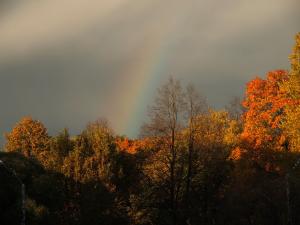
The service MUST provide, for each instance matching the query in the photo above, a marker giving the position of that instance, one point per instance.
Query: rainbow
(141, 75)
(145, 72)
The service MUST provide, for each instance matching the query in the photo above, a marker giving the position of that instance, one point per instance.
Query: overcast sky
(67, 62)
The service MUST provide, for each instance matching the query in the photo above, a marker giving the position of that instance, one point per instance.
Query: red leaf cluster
(265, 105)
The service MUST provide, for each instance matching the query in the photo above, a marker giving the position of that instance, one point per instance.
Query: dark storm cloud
(65, 63)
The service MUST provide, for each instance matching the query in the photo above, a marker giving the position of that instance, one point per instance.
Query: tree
(165, 124)
(60, 147)
(265, 109)
(29, 137)
(291, 87)
(196, 105)
(92, 157)
(102, 142)
(63, 143)
(45, 197)
(93, 168)
(235, 108)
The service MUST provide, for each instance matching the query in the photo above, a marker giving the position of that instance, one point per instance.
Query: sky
(68, 62)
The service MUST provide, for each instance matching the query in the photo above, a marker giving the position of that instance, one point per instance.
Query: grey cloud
(71, 72)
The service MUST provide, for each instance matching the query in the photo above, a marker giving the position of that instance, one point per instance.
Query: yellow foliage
(291, 125)
(216, 129)
(29, 137)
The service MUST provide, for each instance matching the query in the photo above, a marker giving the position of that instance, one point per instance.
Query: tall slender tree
(166, 117)
(196, 105)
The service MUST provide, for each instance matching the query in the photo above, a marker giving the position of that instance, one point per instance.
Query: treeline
(191, 164)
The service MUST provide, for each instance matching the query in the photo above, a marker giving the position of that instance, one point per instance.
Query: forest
(191, 165)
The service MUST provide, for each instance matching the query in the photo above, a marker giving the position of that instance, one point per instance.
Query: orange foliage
(133, 146)
(236, 154)
(28, 137)
(126, 145)
(265, 105)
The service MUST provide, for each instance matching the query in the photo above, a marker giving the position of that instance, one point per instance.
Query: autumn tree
(93, 167)
(29, 137)
(291, 128)
(196, 105)
(60, 147)
(265, 108)
(63, 143)
(91, 158)
(166, 116)
(291, 88)
(216, 135)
